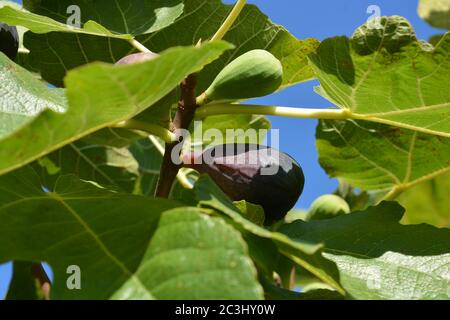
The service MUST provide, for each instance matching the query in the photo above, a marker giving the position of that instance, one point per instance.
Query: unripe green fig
(257, 174)
(9, 40)
(254, 74)
(137, 58)
(327, 206)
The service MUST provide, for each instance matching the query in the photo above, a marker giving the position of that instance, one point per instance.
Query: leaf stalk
(229, 21)
(220, 109)
(149, 128)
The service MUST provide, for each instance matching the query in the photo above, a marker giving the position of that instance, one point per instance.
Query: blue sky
(318, 19)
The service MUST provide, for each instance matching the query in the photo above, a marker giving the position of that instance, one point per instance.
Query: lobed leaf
(99, 96)
(378, 258)
(126, 247)
(306, 254)
(384, 74)
(41, 24)
(121, 17)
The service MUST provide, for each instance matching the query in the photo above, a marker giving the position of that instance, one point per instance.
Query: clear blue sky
(318, 19)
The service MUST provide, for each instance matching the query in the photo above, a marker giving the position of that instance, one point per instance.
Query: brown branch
(38, 272)
(183, 118)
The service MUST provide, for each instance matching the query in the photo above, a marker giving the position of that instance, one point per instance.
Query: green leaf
(232, 128)
(305, 254)
(55, 53)
(113, 137)
(124, 17)
(252, 212)
(428, 202)
(378, 258)
(384, 74)
(102, 95)
(127, 247)
(103, 233)
(252, 30)
(149, 160)
(435, 12)
(41, 24)
(112, 168)
(23, 97)
(193, 256)
(378, 157)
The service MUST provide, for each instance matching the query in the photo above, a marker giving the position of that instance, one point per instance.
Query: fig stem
(139, 46)
(218, 109)
(229, 21)
(181, 176)
(183, 118)
(38, 272)
(149, 128)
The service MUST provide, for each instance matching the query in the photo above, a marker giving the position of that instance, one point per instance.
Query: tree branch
(182, 120)
(38, 272)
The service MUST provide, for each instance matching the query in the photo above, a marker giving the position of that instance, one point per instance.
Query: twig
(39, 273)
(181, 175)
(182, 120)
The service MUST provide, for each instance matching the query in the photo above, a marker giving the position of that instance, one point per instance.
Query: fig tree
(254, 74)
(258, 174)
(9, 40)
(326, 207)
(137, 58)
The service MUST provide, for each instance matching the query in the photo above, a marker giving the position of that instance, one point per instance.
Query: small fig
(254, 74)
(326, 207)
(138, 58)
(258, 174)
(9, 40)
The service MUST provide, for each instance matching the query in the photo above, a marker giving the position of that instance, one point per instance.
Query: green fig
(327, 206)
(254, 74)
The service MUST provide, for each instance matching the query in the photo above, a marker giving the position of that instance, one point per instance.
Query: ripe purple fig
(258, 174)
(138, 58)
(9, 40)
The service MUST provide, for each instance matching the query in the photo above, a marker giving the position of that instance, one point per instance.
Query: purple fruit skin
(9, 40)
(277, 193)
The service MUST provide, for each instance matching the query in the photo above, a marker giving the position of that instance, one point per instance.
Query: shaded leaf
(112, 168)
(193, 256)
(55, 53)
(102, 95)
(378, 258)
(42, 24)
(305, 254)
(127, 247)
(104, 233)
(123, 17)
